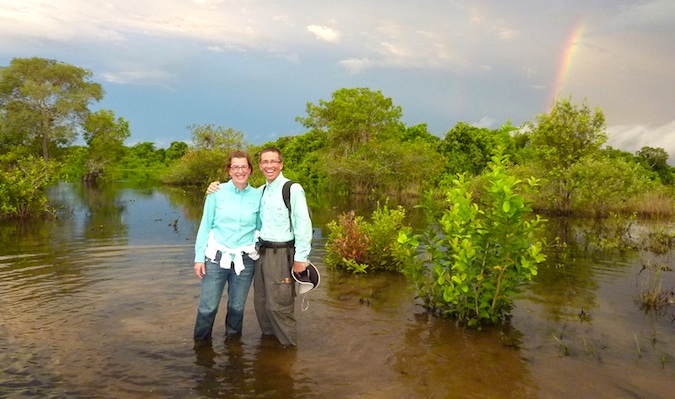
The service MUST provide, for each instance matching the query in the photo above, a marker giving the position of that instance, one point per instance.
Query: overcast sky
(253, 65)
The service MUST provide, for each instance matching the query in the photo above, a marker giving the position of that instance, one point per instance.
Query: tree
(656, 159)
(210, 137)
(560, 139)
(176, 150)
(205, 161)
(44, 102)
(353, 118)
(469, 148)
(567, 133)
(105, 137)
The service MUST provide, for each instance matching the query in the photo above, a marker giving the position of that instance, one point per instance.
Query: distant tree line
(355, 143)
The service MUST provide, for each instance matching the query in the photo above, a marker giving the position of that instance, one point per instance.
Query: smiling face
(239, 171)
(271, 165)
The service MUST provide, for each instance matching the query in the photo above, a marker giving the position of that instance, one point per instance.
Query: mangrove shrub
(471, 266)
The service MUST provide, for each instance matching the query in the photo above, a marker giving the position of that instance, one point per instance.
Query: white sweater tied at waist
(226, 259)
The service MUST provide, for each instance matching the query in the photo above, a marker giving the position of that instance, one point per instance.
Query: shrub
(472, 266)
(23, 185)
(357, 245)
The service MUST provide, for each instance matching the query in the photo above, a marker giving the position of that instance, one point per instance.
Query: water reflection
(243, 370)
(91, 311)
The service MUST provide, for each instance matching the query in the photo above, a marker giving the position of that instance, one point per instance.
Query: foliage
(23, 184)
(357, 245)
(301, 156)
(385, 167)
(560, 139)
(473, 266)
(206, 160)
(105, 137)
(656, 159)
(599, 185)
(216, 138)
(469, 148)
(44, 102)
(353, 118)
(568, 133)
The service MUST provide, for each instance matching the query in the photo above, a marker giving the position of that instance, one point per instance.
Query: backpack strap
(286, 193)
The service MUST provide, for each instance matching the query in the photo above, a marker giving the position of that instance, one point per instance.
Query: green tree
(176, 150)
(352, 118)
(210, 137)
(567, 133)
(600, 184)
(44, 102)
(560, 139)
(469, 148)
(656, 159)
(205, 161)
(105, 137)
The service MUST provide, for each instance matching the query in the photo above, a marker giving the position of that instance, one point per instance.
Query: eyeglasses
(269, 162)
(243, 167)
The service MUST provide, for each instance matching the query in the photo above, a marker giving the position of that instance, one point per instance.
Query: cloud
(324, 33)
(355, 65)
(139, 77)
(632, 138)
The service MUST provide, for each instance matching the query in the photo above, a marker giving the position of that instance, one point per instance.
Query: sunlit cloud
(355, 65)
(324, 33)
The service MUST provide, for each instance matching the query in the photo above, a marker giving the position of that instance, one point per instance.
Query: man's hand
(200, 269)
(299, 267)
(213, 187)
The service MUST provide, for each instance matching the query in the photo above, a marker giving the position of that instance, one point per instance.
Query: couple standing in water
(226, 249)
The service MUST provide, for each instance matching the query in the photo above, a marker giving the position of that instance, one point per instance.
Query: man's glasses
(243, 167)
(268, 162)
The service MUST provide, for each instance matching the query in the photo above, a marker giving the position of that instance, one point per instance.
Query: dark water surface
(101, 302)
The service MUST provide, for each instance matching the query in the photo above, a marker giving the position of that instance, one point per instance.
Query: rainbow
(565, 65)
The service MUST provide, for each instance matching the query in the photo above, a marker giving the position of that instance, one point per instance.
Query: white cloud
(485, 122)
(355, 65)
(155, 78)
(324, 33)
(632, 138)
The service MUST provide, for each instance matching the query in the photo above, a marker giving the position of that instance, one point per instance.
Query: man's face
(270, 165)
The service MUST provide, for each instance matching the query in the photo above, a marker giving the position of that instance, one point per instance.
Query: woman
(225, 248)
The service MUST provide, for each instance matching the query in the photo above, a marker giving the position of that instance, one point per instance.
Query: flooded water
(101, 302)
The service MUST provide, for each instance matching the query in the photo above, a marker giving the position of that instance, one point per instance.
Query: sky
(253, 65)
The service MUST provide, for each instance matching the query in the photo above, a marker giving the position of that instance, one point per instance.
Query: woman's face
(239, 171)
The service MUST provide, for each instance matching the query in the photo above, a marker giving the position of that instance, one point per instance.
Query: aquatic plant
(473, 265)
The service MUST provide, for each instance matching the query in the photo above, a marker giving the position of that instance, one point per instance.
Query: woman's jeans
(213, 285)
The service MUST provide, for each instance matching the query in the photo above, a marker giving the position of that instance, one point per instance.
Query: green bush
(23, 185)
(472, 266)
(358, 245)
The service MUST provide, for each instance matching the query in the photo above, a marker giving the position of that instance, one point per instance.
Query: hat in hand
(307, 280)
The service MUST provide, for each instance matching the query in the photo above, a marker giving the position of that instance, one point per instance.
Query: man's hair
(271, 149)
(239, 154)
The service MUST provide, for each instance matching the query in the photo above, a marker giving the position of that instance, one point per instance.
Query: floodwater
(100, 303)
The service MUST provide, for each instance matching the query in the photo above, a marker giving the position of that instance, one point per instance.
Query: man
(284, 246)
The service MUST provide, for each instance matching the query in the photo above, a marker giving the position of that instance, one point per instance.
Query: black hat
(307, 280)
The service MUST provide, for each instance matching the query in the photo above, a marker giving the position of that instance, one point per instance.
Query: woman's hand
(200, 269)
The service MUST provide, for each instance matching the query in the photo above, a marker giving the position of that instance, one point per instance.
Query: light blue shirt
(274, 217)
(233, 216)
